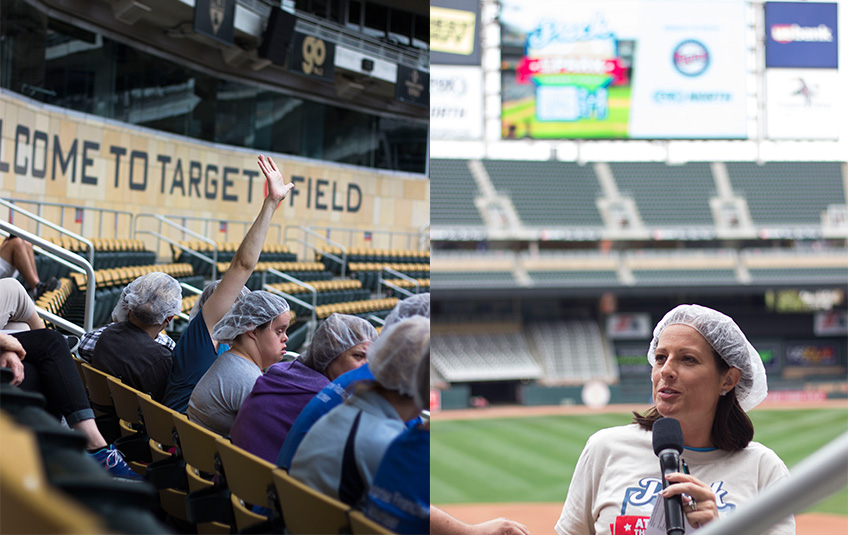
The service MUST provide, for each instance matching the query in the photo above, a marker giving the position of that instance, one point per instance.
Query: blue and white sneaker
(113, 461)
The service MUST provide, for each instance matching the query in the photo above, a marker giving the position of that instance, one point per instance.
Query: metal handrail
(308, 232)
(161, 237)
(68, 256)
(40, 220)
(314, 319)
(390, 233)
(381, 282)
(60, 321)
(100, 211)
(208, 220)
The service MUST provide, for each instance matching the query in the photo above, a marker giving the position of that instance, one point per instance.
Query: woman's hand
(277, 188)
(699, 500)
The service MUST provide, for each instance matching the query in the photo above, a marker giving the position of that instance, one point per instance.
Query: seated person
(195, 351)
(127, 349)
(17, 310)
(337, 391)
(255, 329)
(340, 454)
(16, 256)
(89, 339)
(400, 494)
(338, 346)
(41, 362)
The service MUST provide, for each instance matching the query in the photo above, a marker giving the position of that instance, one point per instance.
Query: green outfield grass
(532, 459)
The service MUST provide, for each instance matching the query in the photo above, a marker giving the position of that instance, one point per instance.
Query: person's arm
(11, 355)
(441, 523)
(247, 255)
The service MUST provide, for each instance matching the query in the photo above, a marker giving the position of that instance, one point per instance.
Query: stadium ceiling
(165, 28)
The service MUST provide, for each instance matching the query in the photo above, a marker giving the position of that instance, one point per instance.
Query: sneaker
(113, 461)
(43, 287)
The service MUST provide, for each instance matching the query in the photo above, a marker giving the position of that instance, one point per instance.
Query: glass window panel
(400, 27)
(376, 20)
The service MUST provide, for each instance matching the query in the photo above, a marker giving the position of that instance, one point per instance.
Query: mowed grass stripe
(532, 459)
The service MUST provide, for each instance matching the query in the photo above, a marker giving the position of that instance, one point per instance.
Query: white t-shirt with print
(617, 477)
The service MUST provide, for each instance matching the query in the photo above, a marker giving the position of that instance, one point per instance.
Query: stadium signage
(313, 57)
(454, 27)
(32, 156)
(215, 19)
(801, 34)
(614, 69)
(412, 86)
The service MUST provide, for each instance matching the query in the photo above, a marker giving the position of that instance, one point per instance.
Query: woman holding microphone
(707, 376)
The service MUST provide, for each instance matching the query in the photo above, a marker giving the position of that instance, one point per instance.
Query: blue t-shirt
(330, 396)
(193, 355)
(400, 493)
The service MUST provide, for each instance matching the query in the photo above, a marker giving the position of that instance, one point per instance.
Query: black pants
(49, 370)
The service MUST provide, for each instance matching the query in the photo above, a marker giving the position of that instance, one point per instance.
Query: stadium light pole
(813, 479)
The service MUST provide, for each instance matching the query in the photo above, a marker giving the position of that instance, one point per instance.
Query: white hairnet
(417, 305)
(207, 293)
(151, 298)
(421, 381)
(729, 342)
(393, 357)
(334, 336)
(248, 313)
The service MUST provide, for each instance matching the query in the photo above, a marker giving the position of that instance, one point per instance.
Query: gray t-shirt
(219, 394)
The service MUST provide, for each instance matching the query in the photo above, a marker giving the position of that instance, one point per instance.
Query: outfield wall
(55, 155)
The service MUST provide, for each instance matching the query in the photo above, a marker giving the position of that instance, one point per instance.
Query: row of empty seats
(561, 352)
(573, 352)
(483, 356)
(564, 194)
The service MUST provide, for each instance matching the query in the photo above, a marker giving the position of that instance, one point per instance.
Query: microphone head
(667, 435)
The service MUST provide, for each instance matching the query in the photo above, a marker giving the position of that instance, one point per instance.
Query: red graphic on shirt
(630, 525)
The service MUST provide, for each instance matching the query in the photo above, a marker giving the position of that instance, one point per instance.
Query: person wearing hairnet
(342, 451)
(255, 328)
(335, 393)
(707, 375)
(399, 498)
(338, 346)
(195, 351)
(128, 348)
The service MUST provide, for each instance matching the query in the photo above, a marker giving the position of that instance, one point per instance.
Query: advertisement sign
(831, 323)
(313, 57)
(632, 359)
(623, 69)
(811, 354)
(412, 86)
(690, 67)
(801, 103)
(455, 32)
(801, 35)
(769, 351)
(456, 106)
(629, 326)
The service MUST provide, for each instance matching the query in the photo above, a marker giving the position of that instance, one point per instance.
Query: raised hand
(277, 188)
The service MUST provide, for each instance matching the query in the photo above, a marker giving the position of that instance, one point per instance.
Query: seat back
(306, 510)
(30, 504)
(158, 421)
(362, 525)
(125, 399)
(98, 388)
(198, 445)
(249, 480)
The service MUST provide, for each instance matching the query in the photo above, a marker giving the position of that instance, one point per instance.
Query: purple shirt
(271, 408)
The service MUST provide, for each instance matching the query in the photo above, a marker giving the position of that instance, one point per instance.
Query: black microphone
(668, 445)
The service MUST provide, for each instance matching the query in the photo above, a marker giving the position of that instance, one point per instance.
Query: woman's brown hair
(732, 429)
